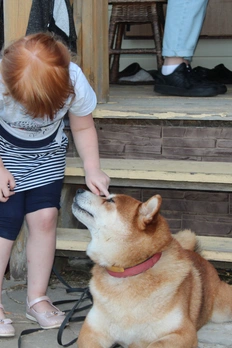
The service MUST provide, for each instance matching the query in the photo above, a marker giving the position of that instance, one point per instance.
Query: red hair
(35, 70)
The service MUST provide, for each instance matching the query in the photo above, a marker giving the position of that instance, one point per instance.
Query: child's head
(35, 70)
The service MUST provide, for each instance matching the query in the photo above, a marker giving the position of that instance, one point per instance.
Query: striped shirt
(34, 150)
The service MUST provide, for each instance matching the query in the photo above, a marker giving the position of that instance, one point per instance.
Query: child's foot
(43, 312)
(6, 329)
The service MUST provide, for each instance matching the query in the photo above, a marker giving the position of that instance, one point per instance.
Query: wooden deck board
(147, 169)
(72, 239)
(213, 248)
(158, 173)
(141, 102)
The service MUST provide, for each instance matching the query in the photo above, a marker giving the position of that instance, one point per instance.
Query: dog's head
(124, 230)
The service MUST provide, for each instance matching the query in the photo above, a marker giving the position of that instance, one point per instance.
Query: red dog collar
(120, 272)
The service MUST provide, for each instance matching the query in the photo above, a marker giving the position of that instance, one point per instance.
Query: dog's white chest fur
(134, 327)
(128, 320)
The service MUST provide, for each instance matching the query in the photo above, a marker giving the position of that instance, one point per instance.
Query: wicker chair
(134, 12)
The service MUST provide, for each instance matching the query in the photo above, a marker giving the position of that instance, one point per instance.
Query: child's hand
(97, 181)
(7, 184)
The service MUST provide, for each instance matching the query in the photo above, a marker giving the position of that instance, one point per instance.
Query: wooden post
(77, 16)
(18, 260)
(16, 15)
(95, 56)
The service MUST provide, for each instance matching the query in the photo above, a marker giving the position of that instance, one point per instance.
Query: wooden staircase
(147, 143)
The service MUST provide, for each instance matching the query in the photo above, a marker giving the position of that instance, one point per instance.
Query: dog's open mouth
(76, 206)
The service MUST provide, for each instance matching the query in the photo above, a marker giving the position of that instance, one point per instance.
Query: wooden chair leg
(112, 32)
(160, 12)
(114, 69)
(157, 36)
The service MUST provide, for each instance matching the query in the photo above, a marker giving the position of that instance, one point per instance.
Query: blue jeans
(184, 19)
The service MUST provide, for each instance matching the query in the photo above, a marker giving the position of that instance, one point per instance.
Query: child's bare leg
(5, 247)
(40, 253)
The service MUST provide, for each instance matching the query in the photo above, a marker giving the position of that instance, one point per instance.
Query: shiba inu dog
(150, 288)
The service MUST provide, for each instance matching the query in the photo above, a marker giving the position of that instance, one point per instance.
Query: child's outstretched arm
(86, 142)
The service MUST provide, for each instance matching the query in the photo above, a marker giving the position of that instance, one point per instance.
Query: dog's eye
(110, 200)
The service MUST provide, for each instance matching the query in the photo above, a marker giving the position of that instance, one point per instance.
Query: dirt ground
(226, 275)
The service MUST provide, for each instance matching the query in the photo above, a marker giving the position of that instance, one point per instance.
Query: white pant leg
(183, 25)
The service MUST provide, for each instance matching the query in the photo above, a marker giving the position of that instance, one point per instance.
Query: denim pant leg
(183, 25)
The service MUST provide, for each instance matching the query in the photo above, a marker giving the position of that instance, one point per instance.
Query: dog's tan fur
(162, 307)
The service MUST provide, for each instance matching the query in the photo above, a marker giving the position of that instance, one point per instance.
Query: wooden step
(168, 174)
(216, 248)
(72, 239)
(213, 248)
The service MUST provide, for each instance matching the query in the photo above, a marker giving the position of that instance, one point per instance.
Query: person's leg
(5, 250)
(183, 23)
(41, 245)
(42, 206)
(11, 219)
(6, 329)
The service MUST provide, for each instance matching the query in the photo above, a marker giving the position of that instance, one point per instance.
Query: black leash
(27, 332)
(85, 295)
(69, 318)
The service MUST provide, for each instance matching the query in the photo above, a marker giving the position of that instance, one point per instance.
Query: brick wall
(170, 142)
(205, 213)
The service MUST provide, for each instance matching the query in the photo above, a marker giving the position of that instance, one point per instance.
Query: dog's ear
(149, 209)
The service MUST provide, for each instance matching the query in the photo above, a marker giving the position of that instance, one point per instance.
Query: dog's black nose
(80, 190)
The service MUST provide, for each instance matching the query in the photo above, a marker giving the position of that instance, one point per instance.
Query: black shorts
(13, 211)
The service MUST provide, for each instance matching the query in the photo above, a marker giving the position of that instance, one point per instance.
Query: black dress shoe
(185, 83)
(218, 74)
